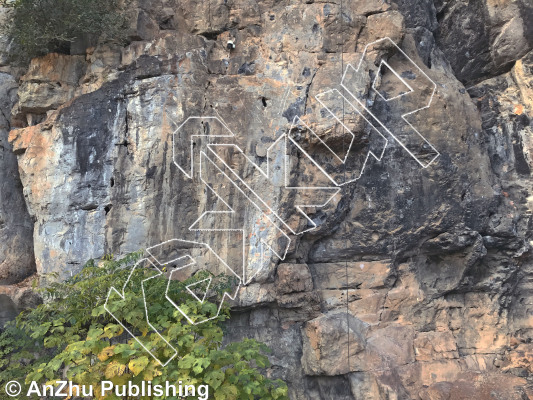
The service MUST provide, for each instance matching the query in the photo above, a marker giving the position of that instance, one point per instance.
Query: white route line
(245, 279)
(258, 202)
(123, 297)
(224, 296)
(188, 287)
(370, 152)
(383, 62)
(260, 199)
(358, 70)
(190, 173)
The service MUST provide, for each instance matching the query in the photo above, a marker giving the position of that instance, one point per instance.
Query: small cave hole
(264, 101)
(108, 208)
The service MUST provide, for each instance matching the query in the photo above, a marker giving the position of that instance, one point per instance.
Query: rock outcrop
(416, 282)
(16, 245)
(17, 261)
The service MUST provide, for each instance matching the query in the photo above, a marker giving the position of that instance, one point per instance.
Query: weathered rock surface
(485, 38)
(417, 282)
(16, 298)
(17, 261)
(16, 244)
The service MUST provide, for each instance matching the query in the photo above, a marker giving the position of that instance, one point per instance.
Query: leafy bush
(72, 337)
(39, 27)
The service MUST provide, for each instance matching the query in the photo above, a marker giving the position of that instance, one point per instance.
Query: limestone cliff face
(416, 282)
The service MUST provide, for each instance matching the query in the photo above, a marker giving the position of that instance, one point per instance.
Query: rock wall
(416, 283)
(17, 261)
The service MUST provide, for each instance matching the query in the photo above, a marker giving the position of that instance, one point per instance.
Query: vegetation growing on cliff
(72, 337)
(39, 27)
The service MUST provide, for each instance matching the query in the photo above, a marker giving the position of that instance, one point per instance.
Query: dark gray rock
(483, 39)
(8, 310)
(16, 228)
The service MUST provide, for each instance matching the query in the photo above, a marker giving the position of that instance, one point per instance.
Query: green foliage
(72, 336)
(39, 27)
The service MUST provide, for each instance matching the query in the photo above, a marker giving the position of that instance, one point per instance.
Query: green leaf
(138, 365)
(60, 333)
(187, 361)
(200, 364)
(97, 311)
(94, 333)
(227, 392)
(114, 369)
(214, 378)
(113, 330)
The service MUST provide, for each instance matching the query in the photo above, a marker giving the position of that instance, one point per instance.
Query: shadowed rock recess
(417, 282)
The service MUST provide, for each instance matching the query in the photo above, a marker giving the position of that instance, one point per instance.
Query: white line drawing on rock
(350, 70)
(122, 296)
(217, 133)
(191, 263)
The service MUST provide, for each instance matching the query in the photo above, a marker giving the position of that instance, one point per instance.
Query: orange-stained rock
(475, 386)
(293, 278)
(320, 358)
(50, 82)
(431, 346)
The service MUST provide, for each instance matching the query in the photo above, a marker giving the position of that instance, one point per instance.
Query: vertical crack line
(344, 192)
(209, 27)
